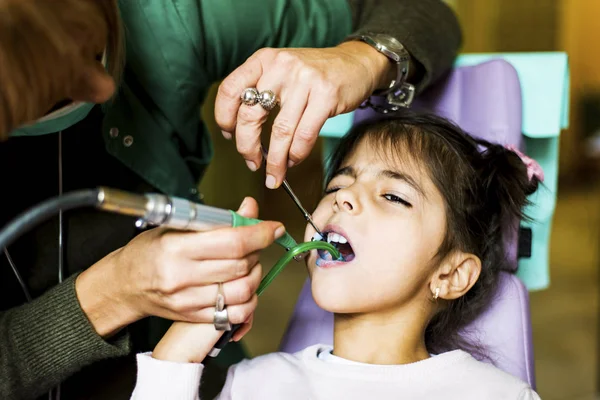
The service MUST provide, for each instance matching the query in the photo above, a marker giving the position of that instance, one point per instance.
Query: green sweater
(175, 51)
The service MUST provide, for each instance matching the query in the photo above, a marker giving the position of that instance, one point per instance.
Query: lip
(334, 263)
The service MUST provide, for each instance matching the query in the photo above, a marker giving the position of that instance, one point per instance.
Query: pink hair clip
(533, 168)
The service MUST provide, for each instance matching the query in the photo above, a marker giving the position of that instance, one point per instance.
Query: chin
(336, 298)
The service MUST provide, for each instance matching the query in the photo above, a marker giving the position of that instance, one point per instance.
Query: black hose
(35, 215)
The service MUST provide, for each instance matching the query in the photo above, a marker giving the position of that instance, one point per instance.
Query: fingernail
(291, 163)
(270, 182)
(279, 232)
(226, 135)
(243, 204)
(251, 165)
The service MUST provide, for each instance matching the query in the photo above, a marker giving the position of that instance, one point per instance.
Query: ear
(456, 275)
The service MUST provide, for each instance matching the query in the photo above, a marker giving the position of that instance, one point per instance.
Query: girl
(419, 210)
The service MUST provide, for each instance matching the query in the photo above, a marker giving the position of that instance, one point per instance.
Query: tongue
(345, 251)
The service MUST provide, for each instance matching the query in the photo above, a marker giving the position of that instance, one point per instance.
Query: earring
(437, 293)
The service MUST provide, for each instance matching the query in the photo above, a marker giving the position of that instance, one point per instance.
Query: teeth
(336, 237)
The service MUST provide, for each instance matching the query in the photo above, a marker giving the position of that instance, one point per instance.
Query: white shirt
(306, 375)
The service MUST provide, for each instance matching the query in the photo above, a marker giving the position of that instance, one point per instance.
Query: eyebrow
(387, 173)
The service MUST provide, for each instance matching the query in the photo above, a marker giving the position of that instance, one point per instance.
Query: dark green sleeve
(232, 30)
(45, 341)
(427, 28)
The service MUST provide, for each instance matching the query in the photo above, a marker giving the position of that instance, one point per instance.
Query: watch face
(390, 43)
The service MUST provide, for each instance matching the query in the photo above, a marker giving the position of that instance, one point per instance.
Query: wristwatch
(399, 92)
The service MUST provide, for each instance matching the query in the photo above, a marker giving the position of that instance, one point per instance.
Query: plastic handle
(286, 241)
(266, 281)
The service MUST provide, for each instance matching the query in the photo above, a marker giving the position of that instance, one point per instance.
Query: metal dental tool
(291, 193)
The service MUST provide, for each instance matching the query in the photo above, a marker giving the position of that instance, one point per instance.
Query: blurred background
(565, 316)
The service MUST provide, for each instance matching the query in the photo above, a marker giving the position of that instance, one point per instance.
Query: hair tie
(533, 168)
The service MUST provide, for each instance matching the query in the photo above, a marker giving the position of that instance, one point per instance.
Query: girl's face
(393, 219)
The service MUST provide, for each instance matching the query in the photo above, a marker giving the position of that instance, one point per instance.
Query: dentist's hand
(174, 275)
(312, 85)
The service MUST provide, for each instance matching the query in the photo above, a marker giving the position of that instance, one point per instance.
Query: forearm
(105, 308)
(174, 368)
(45, 341)
(427, 28)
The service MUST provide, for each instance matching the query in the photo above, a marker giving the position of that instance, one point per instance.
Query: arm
(427, 28)
(47, 340)
(319, 82)
(234, 29)
(174, 368)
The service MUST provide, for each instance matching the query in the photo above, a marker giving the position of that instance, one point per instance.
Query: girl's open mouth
(340, 242)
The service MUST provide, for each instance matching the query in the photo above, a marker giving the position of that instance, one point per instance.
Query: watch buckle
(403, 96)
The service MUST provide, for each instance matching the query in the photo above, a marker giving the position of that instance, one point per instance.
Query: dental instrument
(295, 198)
(154, 209)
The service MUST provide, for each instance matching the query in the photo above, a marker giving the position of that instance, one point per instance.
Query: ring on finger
(250, 96)
(221, 317)
(267, 99)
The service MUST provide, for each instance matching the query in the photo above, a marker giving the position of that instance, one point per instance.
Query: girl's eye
(331, 190)
(395, 199)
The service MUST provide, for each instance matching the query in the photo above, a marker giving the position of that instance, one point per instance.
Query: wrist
(383, 69)
(187, 342)
(101, 300)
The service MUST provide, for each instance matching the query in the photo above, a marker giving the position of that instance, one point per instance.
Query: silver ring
(267, 100)
(250, 96)
(221, 318)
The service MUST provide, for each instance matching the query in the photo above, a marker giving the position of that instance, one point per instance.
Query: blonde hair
(43, 44)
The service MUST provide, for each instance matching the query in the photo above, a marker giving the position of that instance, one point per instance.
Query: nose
(346, 201)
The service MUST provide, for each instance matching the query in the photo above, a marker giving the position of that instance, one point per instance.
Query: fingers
(250, 120)
(315, 115)
(248, 208)
(238, 314)
(210, 271)
(245, 328)
(282, 134)
(220, 244)
(228, 100)
(194, 298)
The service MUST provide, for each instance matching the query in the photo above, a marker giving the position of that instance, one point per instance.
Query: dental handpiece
(154, 209)
(159, 210)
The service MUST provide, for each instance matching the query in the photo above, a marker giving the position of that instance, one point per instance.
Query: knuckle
(285, 57)
(249, 115)
(258, 274)
(308, 74)
(238, 247)
(274, 164)
(242, 267)
(243, 147)
(244, 291)
(282, 129)
(266, 52)
(174, 304)
(328, 89)
(167, 282)
(229, 88)
(168, 245)
(305, 135)
(239, 315)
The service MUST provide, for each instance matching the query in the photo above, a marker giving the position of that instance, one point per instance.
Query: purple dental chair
(485, 100)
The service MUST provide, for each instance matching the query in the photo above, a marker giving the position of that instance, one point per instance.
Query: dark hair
(484, 186)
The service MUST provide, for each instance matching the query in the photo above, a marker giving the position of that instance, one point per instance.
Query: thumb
(248, 208)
